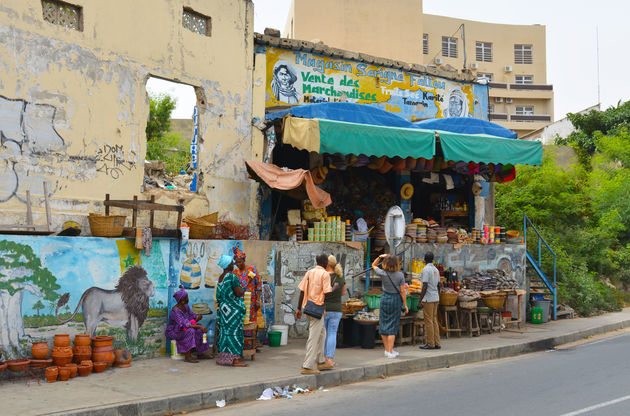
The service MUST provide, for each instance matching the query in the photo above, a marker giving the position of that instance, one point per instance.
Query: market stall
(367, 160)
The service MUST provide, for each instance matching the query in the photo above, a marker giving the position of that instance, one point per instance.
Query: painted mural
(297, 77)
(76, 285)
(105, 286)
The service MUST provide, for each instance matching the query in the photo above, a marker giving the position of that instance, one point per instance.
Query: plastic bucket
(545, 305)
(537, 315)
(274, 338)
(284, 330)
(174, 354)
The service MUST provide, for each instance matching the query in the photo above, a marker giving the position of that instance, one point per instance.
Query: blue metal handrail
(538, 269)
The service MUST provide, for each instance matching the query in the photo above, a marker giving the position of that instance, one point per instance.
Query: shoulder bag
(402, 307)
(312, 309)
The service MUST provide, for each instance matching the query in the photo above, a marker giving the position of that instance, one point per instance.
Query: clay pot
(100, 366)
(102, 341)
(84, 370)
(62, 340)
(104, 354)
(73, 369)
(52, 373)
(87, 362)
(39, 350)
(81, 353)
(82, 340)
(64, 373)
(123, 358)
(61, 355)
(3, 366)
(20, 364)
(36, 364)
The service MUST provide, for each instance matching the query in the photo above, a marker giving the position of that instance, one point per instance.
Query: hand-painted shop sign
(296, 77)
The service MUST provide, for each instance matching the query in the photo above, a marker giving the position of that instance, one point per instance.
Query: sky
(571, 43)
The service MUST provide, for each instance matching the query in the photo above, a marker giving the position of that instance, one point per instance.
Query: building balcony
(497, 116)
(530, 117)
(537, 87)
(527, 91)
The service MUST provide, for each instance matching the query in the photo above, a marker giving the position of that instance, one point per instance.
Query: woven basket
(107, 225)
(201, 228)
(494, 301)
(448, 299)
(468, 305)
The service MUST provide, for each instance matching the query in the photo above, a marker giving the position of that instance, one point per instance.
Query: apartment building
(511, 58)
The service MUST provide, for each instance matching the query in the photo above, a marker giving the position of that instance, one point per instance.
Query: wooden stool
(495, 319)
(470, 321)
(418, 332)
(450, 325)
(253, 326)
(405, 330)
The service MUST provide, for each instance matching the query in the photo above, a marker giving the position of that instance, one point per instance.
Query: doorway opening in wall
(170, 131)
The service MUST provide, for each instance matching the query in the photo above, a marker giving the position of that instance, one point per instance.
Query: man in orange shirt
(317, 282)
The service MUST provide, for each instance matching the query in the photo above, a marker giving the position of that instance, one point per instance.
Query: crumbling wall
(73, 104)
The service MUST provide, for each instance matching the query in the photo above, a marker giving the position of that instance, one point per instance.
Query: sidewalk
(160, 386)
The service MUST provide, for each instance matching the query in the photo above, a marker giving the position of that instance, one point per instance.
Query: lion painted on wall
(127, 306)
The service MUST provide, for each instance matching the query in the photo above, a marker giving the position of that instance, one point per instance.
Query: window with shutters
(425, 43)
(484, 51)
(524, 110)
(196, 22)
(449, 47)
(63, 14)
(524, 79)
(486, 76)
(523, 54)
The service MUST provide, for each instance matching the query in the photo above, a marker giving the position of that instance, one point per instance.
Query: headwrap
(238, 253)
(180, 294)
(225, 261)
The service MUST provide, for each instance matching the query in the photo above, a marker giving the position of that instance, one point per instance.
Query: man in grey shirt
(430, 295)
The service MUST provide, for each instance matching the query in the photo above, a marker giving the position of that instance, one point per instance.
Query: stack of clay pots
(82, 349)
(62, 352)
(103, 351)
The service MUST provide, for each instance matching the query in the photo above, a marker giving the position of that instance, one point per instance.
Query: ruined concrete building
(74, 107)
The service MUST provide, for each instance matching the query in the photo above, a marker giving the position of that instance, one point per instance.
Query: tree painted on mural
(21, 271)
(38, 305)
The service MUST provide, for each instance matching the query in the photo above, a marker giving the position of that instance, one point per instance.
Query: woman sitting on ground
(393, 300)
(231, 311)
(184, 329)
(333, 308)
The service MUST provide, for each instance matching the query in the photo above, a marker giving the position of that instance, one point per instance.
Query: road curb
(246, 392)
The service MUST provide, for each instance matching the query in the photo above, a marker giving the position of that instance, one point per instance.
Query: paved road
(590, 379)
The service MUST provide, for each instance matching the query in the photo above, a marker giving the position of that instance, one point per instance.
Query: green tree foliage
(161, 144)
(582, 211)
(160, 109)
(592, 125)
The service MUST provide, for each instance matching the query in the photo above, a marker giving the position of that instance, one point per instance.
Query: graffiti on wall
(111, 160)
(292, 261)
(42, 277)
(297, 77)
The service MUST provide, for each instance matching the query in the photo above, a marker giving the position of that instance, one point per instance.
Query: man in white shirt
(430, 295)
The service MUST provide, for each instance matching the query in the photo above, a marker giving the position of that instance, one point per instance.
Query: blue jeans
(331, 323)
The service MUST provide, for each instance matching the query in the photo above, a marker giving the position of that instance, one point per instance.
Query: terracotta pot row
(67, 371)
(39, 350)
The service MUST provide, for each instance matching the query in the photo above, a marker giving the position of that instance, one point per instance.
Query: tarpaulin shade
(280, 179)
(326, 136)
(490, 149)
(466, 125)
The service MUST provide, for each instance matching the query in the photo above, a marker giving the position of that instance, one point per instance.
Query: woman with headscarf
(231, 311)
(332, 301)
(184, 329)
(250, 282)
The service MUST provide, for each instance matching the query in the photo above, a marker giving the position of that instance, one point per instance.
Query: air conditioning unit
(439, 61)
(508, 100)
(507, 68)
(474, 65)
(498, 99)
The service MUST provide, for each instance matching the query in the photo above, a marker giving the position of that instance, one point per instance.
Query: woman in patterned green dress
(231, 311)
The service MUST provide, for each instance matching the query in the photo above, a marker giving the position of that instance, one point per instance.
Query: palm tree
(38, 305)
